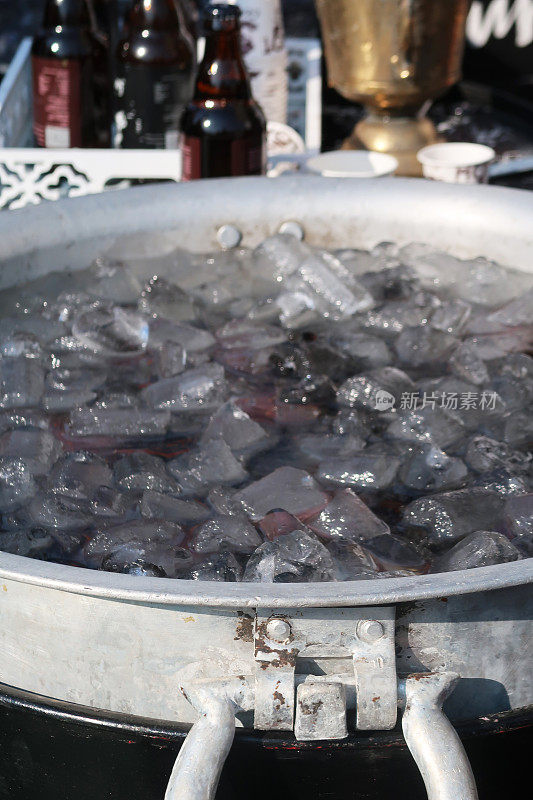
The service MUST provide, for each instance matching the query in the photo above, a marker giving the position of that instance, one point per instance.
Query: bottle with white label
(265, 55)
(63, 65)
(155, 76)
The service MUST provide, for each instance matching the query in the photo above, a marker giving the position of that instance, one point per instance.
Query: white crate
(29, 175)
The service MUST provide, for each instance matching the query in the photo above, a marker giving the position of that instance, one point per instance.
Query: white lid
(352, 164)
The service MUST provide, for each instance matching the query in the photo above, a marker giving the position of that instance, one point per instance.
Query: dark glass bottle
(223, 128)
(63, 77)
(155, 76)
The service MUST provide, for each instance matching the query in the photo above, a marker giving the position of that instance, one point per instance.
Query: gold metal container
(393, 56)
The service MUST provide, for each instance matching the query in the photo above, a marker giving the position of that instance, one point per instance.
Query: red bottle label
(191, 168)
(57, 102)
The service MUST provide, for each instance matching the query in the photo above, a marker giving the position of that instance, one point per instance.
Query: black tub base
(55, 751)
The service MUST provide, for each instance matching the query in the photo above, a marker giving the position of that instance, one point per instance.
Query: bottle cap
(222, 16)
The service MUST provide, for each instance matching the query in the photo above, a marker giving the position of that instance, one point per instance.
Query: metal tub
(185, 651)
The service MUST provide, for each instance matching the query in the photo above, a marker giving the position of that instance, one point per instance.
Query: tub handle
(430, 736)
(200, 760)
(432, 739)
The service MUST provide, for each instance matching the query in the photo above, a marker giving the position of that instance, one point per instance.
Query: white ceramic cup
(456, 162)
(352, 164)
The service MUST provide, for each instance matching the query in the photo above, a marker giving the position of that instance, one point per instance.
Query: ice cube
(516, 393)
(423, 345)
(74, 380)
(62, 402)
(393, 317)
(17, 345)
(12, 420)
(429, 469)
(194, 340)
(110, 280)
(55, 511)
(466, 364)
(293, 490)
(484, 454)
(348, 422)
(242, 333)
(450, 516)
(156, 543)
(297, 308)
(21, 382)
(364, 391)
(321, 446)
(140, 471)
(112, 330)
(366, 352)
(518, 428)
(17, 483)
(278, 523)
(352, 562)
(118, 422)
(496, 345)
(155, 505)
(426, 425)
(163, 299)
(336, 298)
(222, 567)
(347, 519)
(204, 387)
(213, 463)
(79, 474)
(242, 435)
(221, 499)
(394, 553)
(503, 481)
(392, 283)
(486, 283)
(451, 317)
(477, 549)
(38, 448)
(518, 522)
(120, 562)
(108, 504)
(373, 469)
(172, 359)
(517, 312)
(277, 257)
(233, 533)
(31, 544)
(297, 557)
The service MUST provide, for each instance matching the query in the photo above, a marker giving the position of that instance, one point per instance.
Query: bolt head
(278, 630)
(370, 630)
(229, 236)
(292, 228)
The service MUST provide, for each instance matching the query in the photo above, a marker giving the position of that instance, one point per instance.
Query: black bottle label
(212, 158)
(149, 100)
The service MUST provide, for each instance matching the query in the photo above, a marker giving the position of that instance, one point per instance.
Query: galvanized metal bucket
(280, 657)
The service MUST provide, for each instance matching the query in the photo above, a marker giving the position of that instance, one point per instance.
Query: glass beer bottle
(223, 128)
(63, 77)
(155, 74)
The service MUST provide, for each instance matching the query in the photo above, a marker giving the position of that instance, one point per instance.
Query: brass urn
(393, 56)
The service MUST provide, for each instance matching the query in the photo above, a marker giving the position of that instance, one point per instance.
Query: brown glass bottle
(63, 77)
(223, 128)
(155, 76)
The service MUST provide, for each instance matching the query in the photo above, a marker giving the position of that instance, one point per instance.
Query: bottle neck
(68, 13)
(222, 73)
(154, 14)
